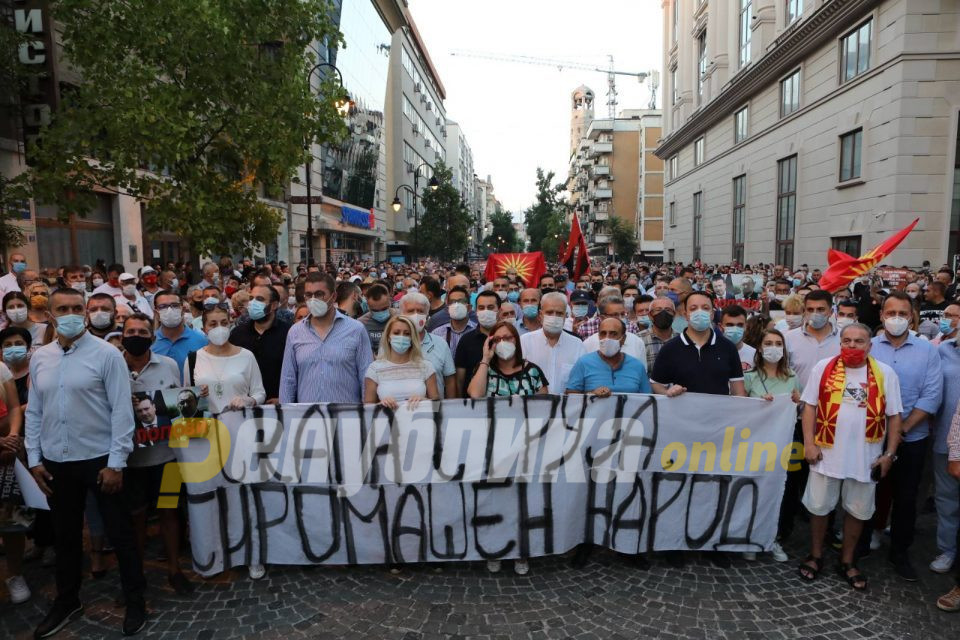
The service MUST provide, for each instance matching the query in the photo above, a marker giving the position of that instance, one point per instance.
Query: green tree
(503, 236)
(446, 222)
(211, 96)
(557, 233)
(543, 218)
(623, 237)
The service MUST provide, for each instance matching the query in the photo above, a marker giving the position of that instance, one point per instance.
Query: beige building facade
(793, 126)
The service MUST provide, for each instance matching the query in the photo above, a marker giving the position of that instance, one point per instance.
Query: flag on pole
(844, 269)
(576, 267)
(528, 266)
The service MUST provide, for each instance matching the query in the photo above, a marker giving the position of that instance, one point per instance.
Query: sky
(516, 117)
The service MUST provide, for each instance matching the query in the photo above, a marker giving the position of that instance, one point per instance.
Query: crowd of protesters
(874, 370)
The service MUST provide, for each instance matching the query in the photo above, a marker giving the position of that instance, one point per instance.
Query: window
(673, 214)
(794, 10)
(673, 85)
(698, 152)
(855, 51)
(676, 20)
(786, 209)
(77, 240)
(746, 16)
(790, 94)
(697, 219)
(740, 125)
(850, 245)
(674, 167)
(701, 62)
(408, 110)
(850, 155)
(739, 213)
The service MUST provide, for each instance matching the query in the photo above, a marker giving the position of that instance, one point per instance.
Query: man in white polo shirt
(551, 348)
(816, 339)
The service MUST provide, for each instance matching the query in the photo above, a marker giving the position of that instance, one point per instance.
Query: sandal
(858, 581)
(808, 572)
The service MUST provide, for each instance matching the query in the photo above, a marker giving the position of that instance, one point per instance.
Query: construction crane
(611, 71)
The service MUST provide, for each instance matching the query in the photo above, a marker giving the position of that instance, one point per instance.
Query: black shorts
(141, 485)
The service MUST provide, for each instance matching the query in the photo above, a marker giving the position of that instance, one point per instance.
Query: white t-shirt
(632, 346)
(557, 361)
(400, 381)
(747, 354)
(227, 377)
(851, 455)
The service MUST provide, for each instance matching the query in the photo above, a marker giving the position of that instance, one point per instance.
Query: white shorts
(822, 492)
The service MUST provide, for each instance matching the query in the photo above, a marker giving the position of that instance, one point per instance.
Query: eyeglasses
(210, 306)
(308, 295)
(171, 305)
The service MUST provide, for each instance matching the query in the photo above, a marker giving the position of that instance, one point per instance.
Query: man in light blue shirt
(416, 306)
(327, 353)
(947, 487)
(917, 365)
(609, 370)
(79, 432)
(174, 339)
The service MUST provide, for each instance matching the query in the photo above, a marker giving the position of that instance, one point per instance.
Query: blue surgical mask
(945, 327)
(513, 296)
(674, 297)
(530, 311)
(380, 316)
(70, 325)
(363, 305)
(256, 310)
(679, 323)
(734, 334)
(19, 267)
(14, 354)
(644, 321)
(818, 320)
(797, 282)
(700, 320)
(400, 344)
(579, 310)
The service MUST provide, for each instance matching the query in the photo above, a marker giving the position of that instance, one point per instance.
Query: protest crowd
(873, 368)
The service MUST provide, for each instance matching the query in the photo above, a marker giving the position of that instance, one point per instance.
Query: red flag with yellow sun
(527, 266)
(844, 268)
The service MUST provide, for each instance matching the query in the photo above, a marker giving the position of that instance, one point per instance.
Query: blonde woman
(400, 373)
(793, 314)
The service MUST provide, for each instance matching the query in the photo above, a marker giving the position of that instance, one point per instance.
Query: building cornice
(791, 47)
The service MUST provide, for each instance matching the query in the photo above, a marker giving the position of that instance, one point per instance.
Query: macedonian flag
(844, 269)
(527, 266)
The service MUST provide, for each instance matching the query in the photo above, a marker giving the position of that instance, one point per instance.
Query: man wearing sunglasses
(174, 339)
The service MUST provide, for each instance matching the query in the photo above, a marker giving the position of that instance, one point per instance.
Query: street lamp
(434, 184)
(343, 106)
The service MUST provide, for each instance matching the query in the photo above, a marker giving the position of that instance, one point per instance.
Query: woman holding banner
(503, 372)
(772, 376)
(400, 373)
(11, 445)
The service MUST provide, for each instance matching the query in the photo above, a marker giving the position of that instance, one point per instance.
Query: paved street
(607, 600)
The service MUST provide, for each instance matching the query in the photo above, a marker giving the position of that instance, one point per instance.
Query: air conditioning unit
(417, 88)
(423, 98)
(409, 167)
(416, 131)
(429, 106)
(443, 130)
(440, 124)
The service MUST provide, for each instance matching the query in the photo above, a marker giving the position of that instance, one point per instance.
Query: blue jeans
(947, 497)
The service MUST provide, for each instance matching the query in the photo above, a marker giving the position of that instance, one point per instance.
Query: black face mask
(136, 345)
(547, 290)
(597, 286)
(663, 320)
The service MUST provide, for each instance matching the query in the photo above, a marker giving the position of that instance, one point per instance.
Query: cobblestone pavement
(609, 599)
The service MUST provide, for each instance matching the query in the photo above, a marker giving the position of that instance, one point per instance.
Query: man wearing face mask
(174, 339)
(458, 310)
(150, 282)
(662, 312)
(79, 433)
(917, 365)
(733, 321)
(529, 319)
(131, 295)
(846, 313)
(551, 348)
(73, 277)
(949, 323)
(611, 306)
(375, 320)
(816, 339)
(470, 348)
(168, 282)
(609, 370)
(582, 310)
(327, 354)
(415, 306)
(265, 336)
(8, 282)
(211, 275)
(442, 316)
(112, 285)
(101, 314)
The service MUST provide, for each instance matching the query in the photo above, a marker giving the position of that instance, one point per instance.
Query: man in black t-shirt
(470, 348)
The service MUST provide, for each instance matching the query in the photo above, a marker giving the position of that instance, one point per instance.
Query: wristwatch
(892, 456)
(116, 469)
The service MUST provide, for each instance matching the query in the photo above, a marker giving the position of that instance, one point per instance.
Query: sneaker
(750, 555)
(904, 568)
(180, 584)
(950, 601)
(876, 538)
(49, 557)
(60, 616)
(521, 567)
(256, 571)
(779, 555)
(942, 563)
(493, 566)
(134, 619)
(19, 591)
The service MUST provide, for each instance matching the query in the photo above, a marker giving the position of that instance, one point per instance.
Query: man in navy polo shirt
(699, 360)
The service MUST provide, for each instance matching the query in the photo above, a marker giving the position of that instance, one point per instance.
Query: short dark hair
(16, 331)
(432, 285)
(15, 295)
(690, 294)
(643, 298)
(70, 291)
(939, 286)
(141, 317)
(896, 295)
(820, 294)
(847, 303)
(546, 275)
(116, 266)
(459, 289)
(346, 289)
(72, 268)
(100, 296)
(318, 276)
(489, 294)
(733, 311)
(377, 291)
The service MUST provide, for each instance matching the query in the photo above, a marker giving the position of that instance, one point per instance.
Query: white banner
(464, 480)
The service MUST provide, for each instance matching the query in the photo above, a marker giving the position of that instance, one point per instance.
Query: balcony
(599, 148)
(601, 215)
(601, 170)
(602, 194)
(601, 238)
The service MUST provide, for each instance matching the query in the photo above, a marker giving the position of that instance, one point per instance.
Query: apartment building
(793, 126)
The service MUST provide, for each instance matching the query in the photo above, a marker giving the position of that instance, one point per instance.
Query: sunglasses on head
(210, 306)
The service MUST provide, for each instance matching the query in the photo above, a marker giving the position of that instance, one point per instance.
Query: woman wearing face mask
(39, 295)
(11, 447)
(793, 314)
(400, 374)
(17, 308)
(15, 343)
(504, 372)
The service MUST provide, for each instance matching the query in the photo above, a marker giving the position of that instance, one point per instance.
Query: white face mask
(318, 308)
(218, 335)
(609, 347)
(794, 321)
(171, 318)
(843, 321)
(130, 290)
(97, 281)
(174, 284)
(80, 287)
(101, 319)
(458, 311)
(552, 325)
(772, 355)
(896, 326)
(502, 295)
(487, 318)
(17, 315)
(505, 350)
(419, 320)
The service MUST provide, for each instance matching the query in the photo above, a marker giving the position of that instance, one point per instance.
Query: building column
(128, 232)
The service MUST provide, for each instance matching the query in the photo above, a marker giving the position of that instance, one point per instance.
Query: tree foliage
(557, 233)
(501, 226)
(546, 216)
(12, 74)
(187, 106)
(446, 222)
(623, 236)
